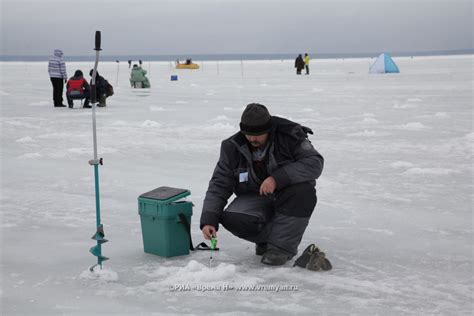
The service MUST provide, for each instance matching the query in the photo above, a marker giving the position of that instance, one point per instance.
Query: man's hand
(268, 186)
(208, 231)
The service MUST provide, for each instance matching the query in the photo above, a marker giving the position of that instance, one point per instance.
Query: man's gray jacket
(291, 159)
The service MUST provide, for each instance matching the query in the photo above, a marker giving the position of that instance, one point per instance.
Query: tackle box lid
(165, 194)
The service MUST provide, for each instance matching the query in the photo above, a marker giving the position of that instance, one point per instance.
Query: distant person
(129, 63)
(306, 63)
(58, 76)
(102, 87)
(138, 78)
(77, 88)
(299, 64)
(177, 61)
(188, 61)
(140, 62)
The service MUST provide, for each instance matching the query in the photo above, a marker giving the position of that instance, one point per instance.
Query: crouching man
(272, 168)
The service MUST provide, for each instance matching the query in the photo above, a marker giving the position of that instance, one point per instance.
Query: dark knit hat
(92, 71)
(256, 120)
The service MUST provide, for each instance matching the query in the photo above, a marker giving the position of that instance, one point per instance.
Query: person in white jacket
(58, 76)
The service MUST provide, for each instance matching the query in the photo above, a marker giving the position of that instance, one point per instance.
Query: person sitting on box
(77, 88)
(138, 77)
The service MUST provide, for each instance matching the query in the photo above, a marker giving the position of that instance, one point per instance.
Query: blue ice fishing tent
(384, 64)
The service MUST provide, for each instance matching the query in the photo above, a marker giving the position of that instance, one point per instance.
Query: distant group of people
(302, 63)
(77, 88)
(189, 61)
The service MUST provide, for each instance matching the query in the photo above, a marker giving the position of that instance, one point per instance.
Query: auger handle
(93, 96)
(97, 40)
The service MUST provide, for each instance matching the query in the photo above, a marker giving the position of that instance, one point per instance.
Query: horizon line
(245, 56)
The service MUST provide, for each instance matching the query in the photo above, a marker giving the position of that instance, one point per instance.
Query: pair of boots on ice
(312, 258)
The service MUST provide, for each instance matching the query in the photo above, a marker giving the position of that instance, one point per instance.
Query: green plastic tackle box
(163, 230)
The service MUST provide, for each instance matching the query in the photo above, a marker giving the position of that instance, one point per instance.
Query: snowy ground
(394, 210)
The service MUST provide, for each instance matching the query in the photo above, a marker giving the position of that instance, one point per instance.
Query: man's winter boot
(274, 257)
(260, 249)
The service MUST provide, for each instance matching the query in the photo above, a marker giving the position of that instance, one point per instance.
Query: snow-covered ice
(103, 274)
(394, 211)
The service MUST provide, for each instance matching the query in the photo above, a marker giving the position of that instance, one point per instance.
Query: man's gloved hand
(208, 231)
(268, 186)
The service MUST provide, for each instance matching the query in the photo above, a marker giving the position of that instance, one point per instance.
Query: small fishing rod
(213, 247)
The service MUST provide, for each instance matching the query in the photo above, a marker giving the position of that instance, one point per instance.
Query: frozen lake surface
(394, 211)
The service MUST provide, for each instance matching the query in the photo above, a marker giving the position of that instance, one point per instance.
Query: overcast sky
(35, 27)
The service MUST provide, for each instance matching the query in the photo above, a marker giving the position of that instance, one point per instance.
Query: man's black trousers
(278, 219)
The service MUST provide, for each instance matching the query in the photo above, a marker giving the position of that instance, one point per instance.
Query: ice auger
(99, 234)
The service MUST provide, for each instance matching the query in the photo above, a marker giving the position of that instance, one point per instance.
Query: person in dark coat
(271, 167)
(299, 64)
(101, 88)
